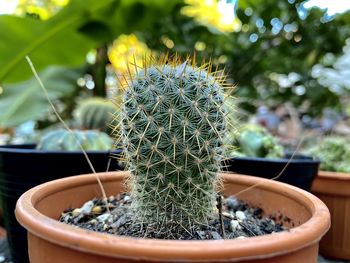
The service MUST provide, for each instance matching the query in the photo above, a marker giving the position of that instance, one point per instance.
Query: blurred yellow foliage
(213, 13)
(126, 51)
(43, 8)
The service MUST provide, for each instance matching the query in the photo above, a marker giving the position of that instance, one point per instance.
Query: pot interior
(288, 208)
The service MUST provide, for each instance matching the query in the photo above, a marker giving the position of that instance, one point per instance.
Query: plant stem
(219, 206)
(99, 71)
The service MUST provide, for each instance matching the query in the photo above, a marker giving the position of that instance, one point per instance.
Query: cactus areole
(173, 124)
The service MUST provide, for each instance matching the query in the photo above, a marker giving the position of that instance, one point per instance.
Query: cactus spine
(64, 140)
(173, 124)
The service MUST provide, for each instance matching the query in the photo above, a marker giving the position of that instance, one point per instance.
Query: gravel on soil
(238, 220)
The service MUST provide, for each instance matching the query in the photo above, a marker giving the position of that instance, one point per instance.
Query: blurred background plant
(288, 59)
(40, 9)
(334, 153)
(252, 140)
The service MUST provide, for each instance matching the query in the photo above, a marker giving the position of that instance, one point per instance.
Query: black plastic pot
(300, 172)
(23, 167)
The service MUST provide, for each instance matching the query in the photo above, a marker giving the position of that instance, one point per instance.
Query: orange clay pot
(51, 241)
(334, 190)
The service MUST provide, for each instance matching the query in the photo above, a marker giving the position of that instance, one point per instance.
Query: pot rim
(283, 160)
(334, 175)
(30, 149)
(173, 250)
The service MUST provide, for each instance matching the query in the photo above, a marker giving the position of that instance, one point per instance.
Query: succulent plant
(69, 141)
(254, 141)
(96, 114)
(173, 124)
(334, 153)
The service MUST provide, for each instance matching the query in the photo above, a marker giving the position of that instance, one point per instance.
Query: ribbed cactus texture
(96, 114)
(173, 124)
(66, 141)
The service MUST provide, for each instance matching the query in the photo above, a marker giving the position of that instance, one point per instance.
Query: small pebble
(234, 224)
(111, 205)
(65, 217)
(228, 215)
(202, 234)
(232, 203)
(77, 218)
(119, 222)
(76, 212)
(240, 215)
(111, 198)
(93, 221)
(215, 235)
(96, 210)
(2, 258)
(87, 207)
(126, 198)
(103, 217)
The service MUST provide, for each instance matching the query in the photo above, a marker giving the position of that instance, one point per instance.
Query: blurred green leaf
(62, 40)
(25, 101)
(54, 41)
(65, 38)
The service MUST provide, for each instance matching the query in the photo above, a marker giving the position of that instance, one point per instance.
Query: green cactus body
(62, 140)
(255, 141)
(95, 114)
(173, 128)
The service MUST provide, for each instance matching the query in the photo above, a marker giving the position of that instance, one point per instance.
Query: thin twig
(219, 206)
(280, 174)
(67, 128)
(247, 228)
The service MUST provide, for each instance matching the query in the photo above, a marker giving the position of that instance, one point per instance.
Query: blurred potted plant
(173, 125)
(25, 166)
(256, 152)
(96, 113)
(332, 186)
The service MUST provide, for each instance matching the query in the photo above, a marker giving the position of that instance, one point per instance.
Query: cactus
(95, 114)
(66, 141)
(173, 124)
(255, 141)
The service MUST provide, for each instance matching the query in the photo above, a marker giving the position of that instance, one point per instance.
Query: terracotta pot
(334, 190)
(55, 242)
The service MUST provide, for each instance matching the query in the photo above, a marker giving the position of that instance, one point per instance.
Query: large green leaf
(25, 101)
(65, 38)
(55, 41)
